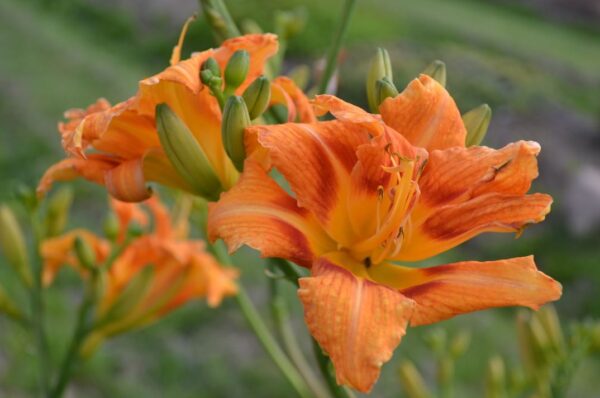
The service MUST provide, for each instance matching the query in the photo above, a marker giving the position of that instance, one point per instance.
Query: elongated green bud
(8, 306)
(111, 226)
(131, 296)
(384, 88)
(85, 253)
(540, 339)
(289, 23)
(379, 68)
(211, 65)
(185, 154)
(257, 96)
(235, 120)
(437, 70)
(250, 26)
(12, 242)
(549, 320)
(496, 378)
(476, 122)
(58, 211)
(412, 381)
(237, 69)
(460, 343)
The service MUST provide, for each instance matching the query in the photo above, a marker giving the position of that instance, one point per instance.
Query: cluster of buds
(238, 111)
(549, 358)
(380, 86)
(447, 349)
(132, 275)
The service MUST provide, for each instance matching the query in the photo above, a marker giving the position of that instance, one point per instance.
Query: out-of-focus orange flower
(181, 269)
(369, 190)
(118, 146)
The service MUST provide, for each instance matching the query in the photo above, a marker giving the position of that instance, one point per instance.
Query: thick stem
(270, 345)
(37, 311)
(79, 334)
(219, 19)
(334, 50)
(262, 332)
(281, 319)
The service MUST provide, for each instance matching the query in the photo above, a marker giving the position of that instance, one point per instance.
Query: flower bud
(85, 253)
(460, 343)
(540, 338)
(58, 211)
(237, 69)
(496, 378)
(250, 26)
(412, 381)
(111, 226)
(185, 154)
(437, 70)
(211, 65)
(131, 296)
(289, 23)
(13, 244)
(134, 230)
(384, 88)
(436, 340)
(379, 68)
(549, 319)
(257, 96)
(7, 305)
(27, 197)
(476, 122)
(235, 120)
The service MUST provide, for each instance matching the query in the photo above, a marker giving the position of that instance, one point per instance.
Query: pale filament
(404, 188)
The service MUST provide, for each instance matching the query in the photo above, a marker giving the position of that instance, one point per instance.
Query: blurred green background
(537, 63)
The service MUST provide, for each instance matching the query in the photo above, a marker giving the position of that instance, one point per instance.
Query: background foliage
(536, 63)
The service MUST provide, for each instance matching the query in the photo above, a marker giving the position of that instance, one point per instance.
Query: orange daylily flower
(369, 190)
(181, 269)
(118, 146)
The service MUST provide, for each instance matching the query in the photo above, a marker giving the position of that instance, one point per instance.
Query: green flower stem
(325, 366)
(219, 19)
(334, 50)
(82, 328)
(37, 308)
(281, 319)
(262, 332)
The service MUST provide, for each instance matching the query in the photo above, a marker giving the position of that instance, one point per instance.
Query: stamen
(380, 193)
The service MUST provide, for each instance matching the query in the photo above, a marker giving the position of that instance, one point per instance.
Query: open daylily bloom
(370, 190)
(155, 273)
(119, 147)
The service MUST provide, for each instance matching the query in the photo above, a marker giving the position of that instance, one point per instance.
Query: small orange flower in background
(155, 273)
(118, 146)
(369, 190)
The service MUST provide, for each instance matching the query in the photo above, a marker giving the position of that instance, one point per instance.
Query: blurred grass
(70, 52)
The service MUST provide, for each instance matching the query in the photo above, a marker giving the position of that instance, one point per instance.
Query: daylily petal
(454, 224)
(207, 278)
(93, 169)
(58, 251)
(369, 199)
(342, 110)
(317, 161)
(126, 182)
(284, 91)
(126, 213)
(426, 115)
(259, 213)
(357, 322)
(458, 174)
(68, 129)
(448, 290)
